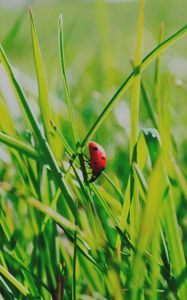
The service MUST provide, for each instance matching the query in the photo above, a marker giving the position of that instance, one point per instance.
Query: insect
(98, 160)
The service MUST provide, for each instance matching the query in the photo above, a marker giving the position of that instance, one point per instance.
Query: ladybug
(98, 160)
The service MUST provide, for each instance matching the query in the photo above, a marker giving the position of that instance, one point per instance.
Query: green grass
(123, 236)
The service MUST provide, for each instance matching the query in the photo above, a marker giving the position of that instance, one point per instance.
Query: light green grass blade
(135, 100)
(130, 79)
(23, 290)
(19, 146)
(66, 88)
(43, 95)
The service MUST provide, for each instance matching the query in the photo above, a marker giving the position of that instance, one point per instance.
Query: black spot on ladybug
(94, 148)
(95, 163)
(103, 157)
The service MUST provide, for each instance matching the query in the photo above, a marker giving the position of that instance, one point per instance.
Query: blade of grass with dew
(43, 95)
(130, 79)
(23, 290)
(66, 88)
(32, 287)
(49, 157)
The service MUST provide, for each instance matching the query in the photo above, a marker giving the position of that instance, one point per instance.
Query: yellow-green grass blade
(151, 214)
(134, 115)
(43, 95)
(135, 98)
(65, 82)
(23, 290)
(130, 79)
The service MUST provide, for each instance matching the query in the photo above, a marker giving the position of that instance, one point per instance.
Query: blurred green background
(100, 39)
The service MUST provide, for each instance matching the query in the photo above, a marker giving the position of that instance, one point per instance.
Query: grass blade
(130, 79)
(43, 96)
(19, 146)
(23, 290)
(66, 88)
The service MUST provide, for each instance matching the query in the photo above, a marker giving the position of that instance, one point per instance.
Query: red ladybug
(98, 160)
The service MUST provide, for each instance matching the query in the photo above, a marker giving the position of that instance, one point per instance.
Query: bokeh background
(100, 39)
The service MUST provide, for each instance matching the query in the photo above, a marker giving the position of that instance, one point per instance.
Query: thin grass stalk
(65, 82)
(135, 100)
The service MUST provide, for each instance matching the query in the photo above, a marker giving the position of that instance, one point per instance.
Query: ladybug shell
(98, 159)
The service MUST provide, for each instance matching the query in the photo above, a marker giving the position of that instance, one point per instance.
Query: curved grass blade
(130, 79)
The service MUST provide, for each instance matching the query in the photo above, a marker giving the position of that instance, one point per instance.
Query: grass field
(113, 72)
